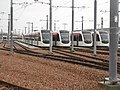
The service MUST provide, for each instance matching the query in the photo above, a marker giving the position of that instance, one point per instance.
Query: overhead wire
(56, 8)
(24, 5)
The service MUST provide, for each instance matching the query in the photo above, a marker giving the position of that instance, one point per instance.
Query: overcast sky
(61, 12)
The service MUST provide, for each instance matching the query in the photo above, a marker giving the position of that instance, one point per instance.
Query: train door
(54, 39)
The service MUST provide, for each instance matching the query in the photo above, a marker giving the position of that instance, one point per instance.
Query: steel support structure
(101, 23)
(82, 23)
(113, 41)
(95, 23)
(8, 37)
(32, 26)
(47, 22)
(72, 46)
(11, 26)
(50, 48)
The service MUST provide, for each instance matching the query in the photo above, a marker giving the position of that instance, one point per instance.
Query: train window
(65, 35)
(104, 35)
(46, 35)
(87, 36)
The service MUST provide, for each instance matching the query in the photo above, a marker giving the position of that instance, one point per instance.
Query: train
(38, 38)
(102, 38)
(82, 38)
(42, 38)
(61, 38)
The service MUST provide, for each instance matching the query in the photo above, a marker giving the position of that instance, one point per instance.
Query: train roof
(81, 31)
(36, 32)
(61, 30)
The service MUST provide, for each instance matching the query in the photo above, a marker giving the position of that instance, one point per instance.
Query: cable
(63, 4)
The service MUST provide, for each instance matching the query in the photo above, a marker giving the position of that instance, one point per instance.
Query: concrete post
(95, 22)
(50, 27)
(113, 40)
(11, 33)
(72, 49)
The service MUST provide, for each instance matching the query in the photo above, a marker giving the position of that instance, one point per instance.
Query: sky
(30, 11)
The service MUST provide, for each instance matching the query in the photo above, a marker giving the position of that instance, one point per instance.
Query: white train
(102, 38)
(61, 38)
(38, 38)
(82, 38)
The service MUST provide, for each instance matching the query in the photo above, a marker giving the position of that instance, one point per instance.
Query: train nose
(65, 41)
(88, 41)
(46, 41)
(105, 41)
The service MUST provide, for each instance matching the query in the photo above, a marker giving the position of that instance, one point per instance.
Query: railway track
(71, 57)
(102, 51)
(8, 86)
(84, 55)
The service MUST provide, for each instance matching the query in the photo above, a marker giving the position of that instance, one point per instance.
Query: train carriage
(82, 38)
(38, 38)
(61, 38)
(102, 38)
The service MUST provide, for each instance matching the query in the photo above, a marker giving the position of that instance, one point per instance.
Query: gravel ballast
(44, 74)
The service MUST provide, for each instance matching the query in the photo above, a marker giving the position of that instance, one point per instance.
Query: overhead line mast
(72, 46)
(95, 22)
(114, 19)
(11, 23)
(50, 51)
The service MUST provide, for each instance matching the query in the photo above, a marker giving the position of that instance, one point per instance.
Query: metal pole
(82, 23)
(32, 26)
(9, 29)
(95, 22)
(101, 23)
(11, 41)
(113, 41)
(25, 30)
(72, 49)
(54, 26)
(47, 22)
(50, 27)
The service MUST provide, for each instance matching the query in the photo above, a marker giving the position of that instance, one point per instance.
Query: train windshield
(104, 36)
(46, 36)
(87, 36)
(65, 36)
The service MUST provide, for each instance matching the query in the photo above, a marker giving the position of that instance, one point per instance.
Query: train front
(45, 38)
(87, 38)
(64, 38)
(104, 38)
